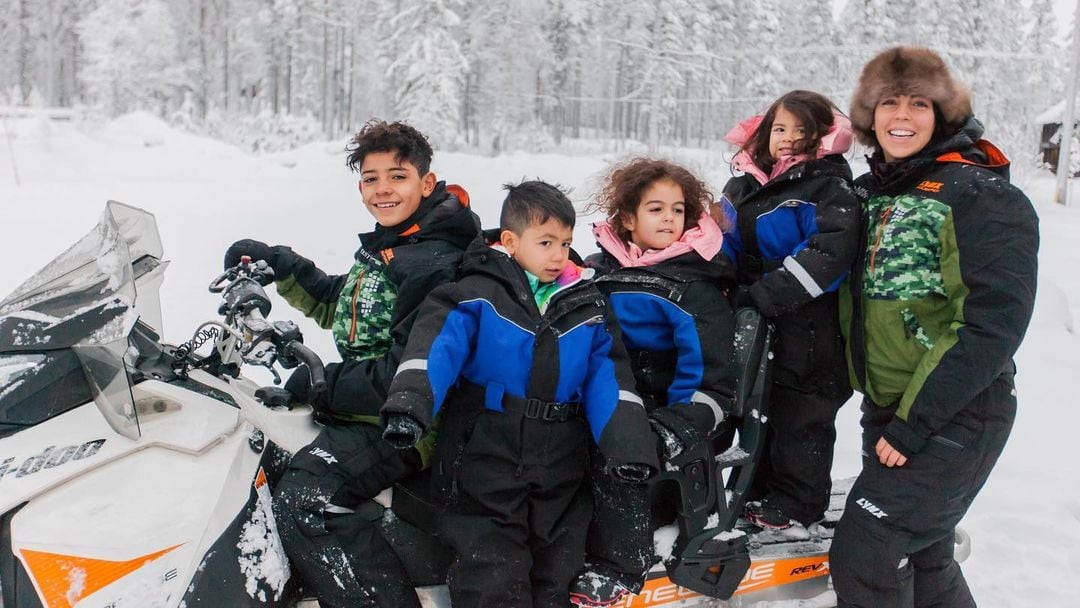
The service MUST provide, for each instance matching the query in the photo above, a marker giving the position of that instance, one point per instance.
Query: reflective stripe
(331, 508)
(807, 281)
(411, 364)
(631, 397)
(717, 411)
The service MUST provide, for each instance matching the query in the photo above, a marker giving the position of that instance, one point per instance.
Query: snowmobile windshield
(64, 332)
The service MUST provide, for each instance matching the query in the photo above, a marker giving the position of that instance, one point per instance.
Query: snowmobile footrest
(712, 566)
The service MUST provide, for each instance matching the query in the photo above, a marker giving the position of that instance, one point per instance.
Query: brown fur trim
(907, 70)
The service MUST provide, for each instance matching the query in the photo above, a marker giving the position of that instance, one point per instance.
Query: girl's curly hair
(626, 184)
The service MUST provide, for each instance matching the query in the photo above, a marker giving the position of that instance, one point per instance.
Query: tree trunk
(204, 62)
(225, 53)
(23, 52)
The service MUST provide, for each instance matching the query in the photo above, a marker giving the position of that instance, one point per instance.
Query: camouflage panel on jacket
(364, 309)
(904, 248)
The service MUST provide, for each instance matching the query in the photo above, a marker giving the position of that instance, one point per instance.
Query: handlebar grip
(308, 357)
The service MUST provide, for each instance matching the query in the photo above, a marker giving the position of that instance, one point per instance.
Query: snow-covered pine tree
(130, 55)
(427, 68)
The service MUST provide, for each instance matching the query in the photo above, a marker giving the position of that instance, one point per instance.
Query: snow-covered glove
(675, 428)
(632, 473)
(256, 250)
(402, 431)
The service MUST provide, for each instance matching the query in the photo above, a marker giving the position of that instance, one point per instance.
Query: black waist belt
(548, 411)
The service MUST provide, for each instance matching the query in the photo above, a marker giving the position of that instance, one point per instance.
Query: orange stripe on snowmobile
(260, 478)
(660, 592)
(64, 580)
(775, 573)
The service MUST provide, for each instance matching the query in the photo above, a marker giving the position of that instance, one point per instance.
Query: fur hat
(907, 70)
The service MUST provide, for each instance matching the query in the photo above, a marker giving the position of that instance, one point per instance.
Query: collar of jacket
(966, 146)
(442, 215)
(705, 239)
(837, 140)
(493, 261)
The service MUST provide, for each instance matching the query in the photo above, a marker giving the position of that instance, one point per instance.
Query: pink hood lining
(836, 140)
(705, 238)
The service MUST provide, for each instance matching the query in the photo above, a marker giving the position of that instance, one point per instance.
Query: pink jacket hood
(836, 140)
(705, 238)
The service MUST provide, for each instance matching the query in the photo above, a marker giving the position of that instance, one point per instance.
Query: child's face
(786, 130)
(392, 189)
(660, 217)
(541, 249)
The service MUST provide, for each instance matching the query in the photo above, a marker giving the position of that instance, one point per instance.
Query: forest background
(572, 76)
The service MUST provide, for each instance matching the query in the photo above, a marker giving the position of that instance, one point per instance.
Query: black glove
(299, 384)
(256, 250)
(740, 298)
(402, 431)
(675, 430)
(670, 445)
(632, 473)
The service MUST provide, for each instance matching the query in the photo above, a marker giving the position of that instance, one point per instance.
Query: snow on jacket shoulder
(946, 286)
(678, 327)
(487, 329)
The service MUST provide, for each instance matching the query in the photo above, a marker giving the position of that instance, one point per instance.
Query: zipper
(880, 232)
(355, 295)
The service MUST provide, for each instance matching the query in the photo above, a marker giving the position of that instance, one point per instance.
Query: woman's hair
(626, 184)
(815, 112)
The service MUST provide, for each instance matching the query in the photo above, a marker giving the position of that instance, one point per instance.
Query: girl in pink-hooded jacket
(797, 231)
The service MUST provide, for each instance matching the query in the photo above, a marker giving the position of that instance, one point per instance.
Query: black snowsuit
(520, 391)
(328, 523)
(799, 234)
(939, 301)
(678, 328)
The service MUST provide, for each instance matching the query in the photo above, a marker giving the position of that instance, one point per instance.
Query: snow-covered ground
(1025, 525)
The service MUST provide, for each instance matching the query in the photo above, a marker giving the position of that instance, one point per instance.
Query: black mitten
(299, 384)
(256, 250)
(676, 430)
(632, 472)
(740, 298)
(402, 431)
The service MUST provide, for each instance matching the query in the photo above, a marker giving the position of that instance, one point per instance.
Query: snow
(1025, 525)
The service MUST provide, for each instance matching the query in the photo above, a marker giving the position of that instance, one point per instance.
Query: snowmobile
(134, 473)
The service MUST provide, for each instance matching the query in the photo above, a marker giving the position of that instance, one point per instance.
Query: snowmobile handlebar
(294, 349)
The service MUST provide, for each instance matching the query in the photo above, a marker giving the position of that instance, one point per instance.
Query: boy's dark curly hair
(626, 184)
(381, 136)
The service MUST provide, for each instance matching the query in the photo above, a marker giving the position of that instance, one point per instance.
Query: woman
(939, 302)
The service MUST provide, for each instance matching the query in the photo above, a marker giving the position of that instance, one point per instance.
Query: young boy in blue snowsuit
(527, 368)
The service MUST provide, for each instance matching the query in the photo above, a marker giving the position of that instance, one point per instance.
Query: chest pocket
(903, 258)
(364, 310)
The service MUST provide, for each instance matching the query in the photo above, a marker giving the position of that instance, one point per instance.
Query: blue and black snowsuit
(678, 328)
(797, 237)
(523, 390)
